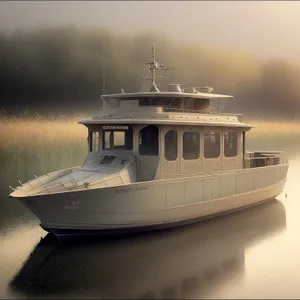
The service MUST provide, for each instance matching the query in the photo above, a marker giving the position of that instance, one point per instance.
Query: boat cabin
(163, 151)
(169, 134)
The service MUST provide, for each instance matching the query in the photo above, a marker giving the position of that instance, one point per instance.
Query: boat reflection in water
(190, 261)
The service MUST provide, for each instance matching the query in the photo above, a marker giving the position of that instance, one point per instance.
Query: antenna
(153, 66)
(104, 65)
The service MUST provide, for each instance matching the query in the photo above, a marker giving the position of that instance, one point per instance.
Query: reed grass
(36, 130)
(20, 131)
(37, 144)
(271, 128)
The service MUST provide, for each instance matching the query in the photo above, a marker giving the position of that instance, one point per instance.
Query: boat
(156, 159)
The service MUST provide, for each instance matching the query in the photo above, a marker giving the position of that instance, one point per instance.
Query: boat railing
(44, 179)
(103, 113)
(257, 159)
(207, 111)
(188, 110)
(54, 187)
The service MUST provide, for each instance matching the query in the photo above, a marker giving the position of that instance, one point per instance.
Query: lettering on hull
(71, 205)
(131, 189)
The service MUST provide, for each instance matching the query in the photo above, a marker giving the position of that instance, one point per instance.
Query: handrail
(77, 185)
(265, 152)
(262, 157)
(166, 109)
(263, 161)
(180, 110)
(188, 110)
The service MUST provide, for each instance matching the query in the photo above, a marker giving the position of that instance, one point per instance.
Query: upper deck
(178, 106)
(164, 108)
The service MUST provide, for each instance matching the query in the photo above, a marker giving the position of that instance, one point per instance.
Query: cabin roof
(198, 95)
(129, 121)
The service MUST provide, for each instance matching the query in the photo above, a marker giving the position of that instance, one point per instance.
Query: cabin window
(243, 141)
(95, 142)
(211, 144)
(191, 145)
(230, 144)
(160, 101)
(148, 140)
(171, 145)
(188, 104)
(117, 137)
(107, 140)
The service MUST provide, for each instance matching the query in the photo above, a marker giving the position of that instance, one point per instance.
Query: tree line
(61, 68)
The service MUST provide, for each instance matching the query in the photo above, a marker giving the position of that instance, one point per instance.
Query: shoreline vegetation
(51, 142)
(37, 129)
(34, 128)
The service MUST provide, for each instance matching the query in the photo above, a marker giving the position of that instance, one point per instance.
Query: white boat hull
(156, 204)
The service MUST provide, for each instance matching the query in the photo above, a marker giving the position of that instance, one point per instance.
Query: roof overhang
(165, 122)
(128, 96)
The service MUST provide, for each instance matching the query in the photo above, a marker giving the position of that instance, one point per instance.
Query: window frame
(166, 102)
(91, 140)
(127, 132)
(143, 153)
(177, 146)
(220, 141)
(198, 144)
(236, 143)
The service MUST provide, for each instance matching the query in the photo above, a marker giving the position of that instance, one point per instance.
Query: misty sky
(265, 29)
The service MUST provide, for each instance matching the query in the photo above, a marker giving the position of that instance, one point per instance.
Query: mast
(153, 66)
(104, 66)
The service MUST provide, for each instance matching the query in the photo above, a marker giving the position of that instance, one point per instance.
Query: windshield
(117, 137)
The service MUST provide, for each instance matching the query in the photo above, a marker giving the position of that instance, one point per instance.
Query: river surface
(254, 253)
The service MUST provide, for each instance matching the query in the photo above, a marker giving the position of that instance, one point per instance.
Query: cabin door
(147, 151)
(170, 157)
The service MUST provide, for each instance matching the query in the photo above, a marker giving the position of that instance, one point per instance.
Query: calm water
(250, 254)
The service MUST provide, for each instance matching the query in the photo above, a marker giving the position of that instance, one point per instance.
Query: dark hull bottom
(73, 233)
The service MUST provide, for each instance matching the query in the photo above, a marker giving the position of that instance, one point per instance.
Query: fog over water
(263, 28)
